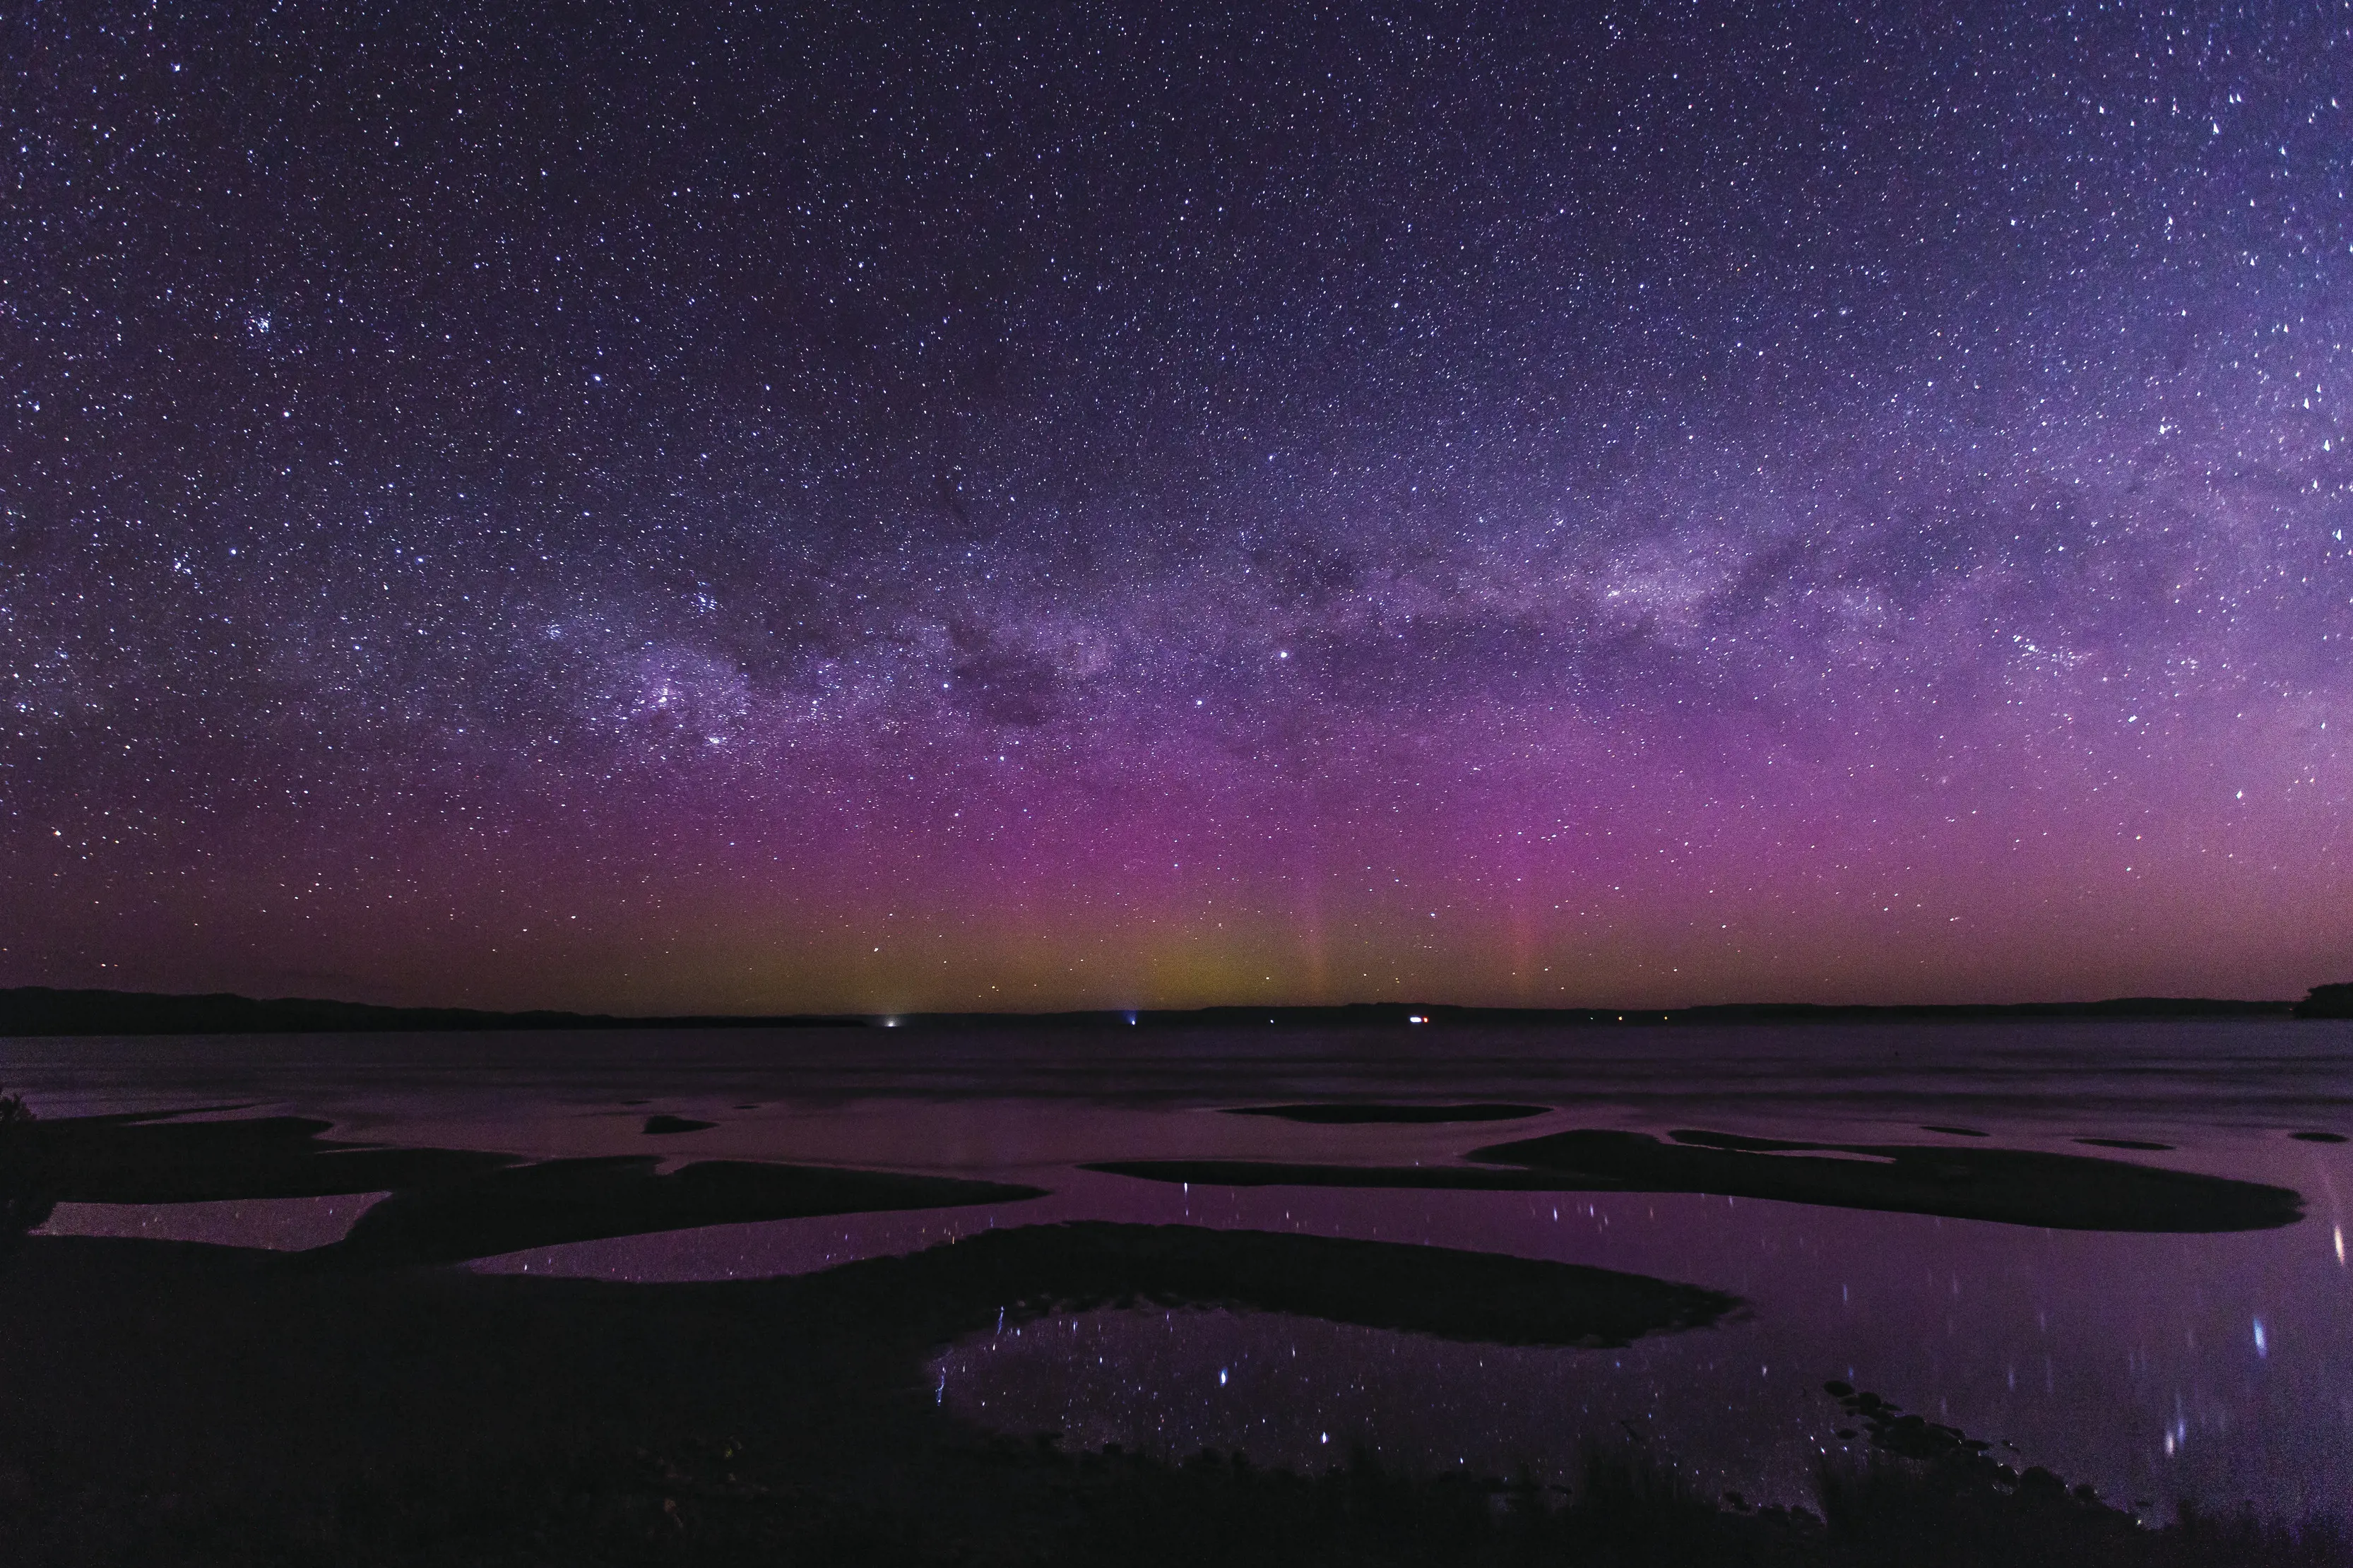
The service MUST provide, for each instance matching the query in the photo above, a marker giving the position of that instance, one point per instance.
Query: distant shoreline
(38, 1010)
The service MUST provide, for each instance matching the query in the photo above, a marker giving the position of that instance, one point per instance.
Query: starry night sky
(714, 506)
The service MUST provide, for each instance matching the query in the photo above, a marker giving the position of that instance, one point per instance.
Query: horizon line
(38, 1010)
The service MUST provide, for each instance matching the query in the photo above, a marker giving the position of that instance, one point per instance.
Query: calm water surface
(2154, 1366)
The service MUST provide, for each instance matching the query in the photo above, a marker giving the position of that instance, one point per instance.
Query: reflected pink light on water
(2151, 1366)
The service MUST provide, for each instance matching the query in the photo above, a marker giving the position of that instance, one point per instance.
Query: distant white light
(2261, 1347)
(1416, 1018)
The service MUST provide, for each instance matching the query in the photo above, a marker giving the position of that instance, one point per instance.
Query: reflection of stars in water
(2128, 1361)
(1941, 1316)
(1278, 1388)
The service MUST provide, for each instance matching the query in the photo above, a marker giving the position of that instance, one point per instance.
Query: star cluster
(903, 506)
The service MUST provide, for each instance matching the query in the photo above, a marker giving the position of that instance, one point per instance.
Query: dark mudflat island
(1369, 1114)
(2013, 1186)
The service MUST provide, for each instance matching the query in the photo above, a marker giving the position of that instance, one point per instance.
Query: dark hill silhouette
(2327, 1002)
(36, 1010)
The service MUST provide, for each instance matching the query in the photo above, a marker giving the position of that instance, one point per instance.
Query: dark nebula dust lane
(903, 508)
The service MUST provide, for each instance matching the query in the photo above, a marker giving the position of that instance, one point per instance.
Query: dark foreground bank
(172, 1403)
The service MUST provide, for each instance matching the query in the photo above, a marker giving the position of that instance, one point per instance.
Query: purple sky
(895, 510)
